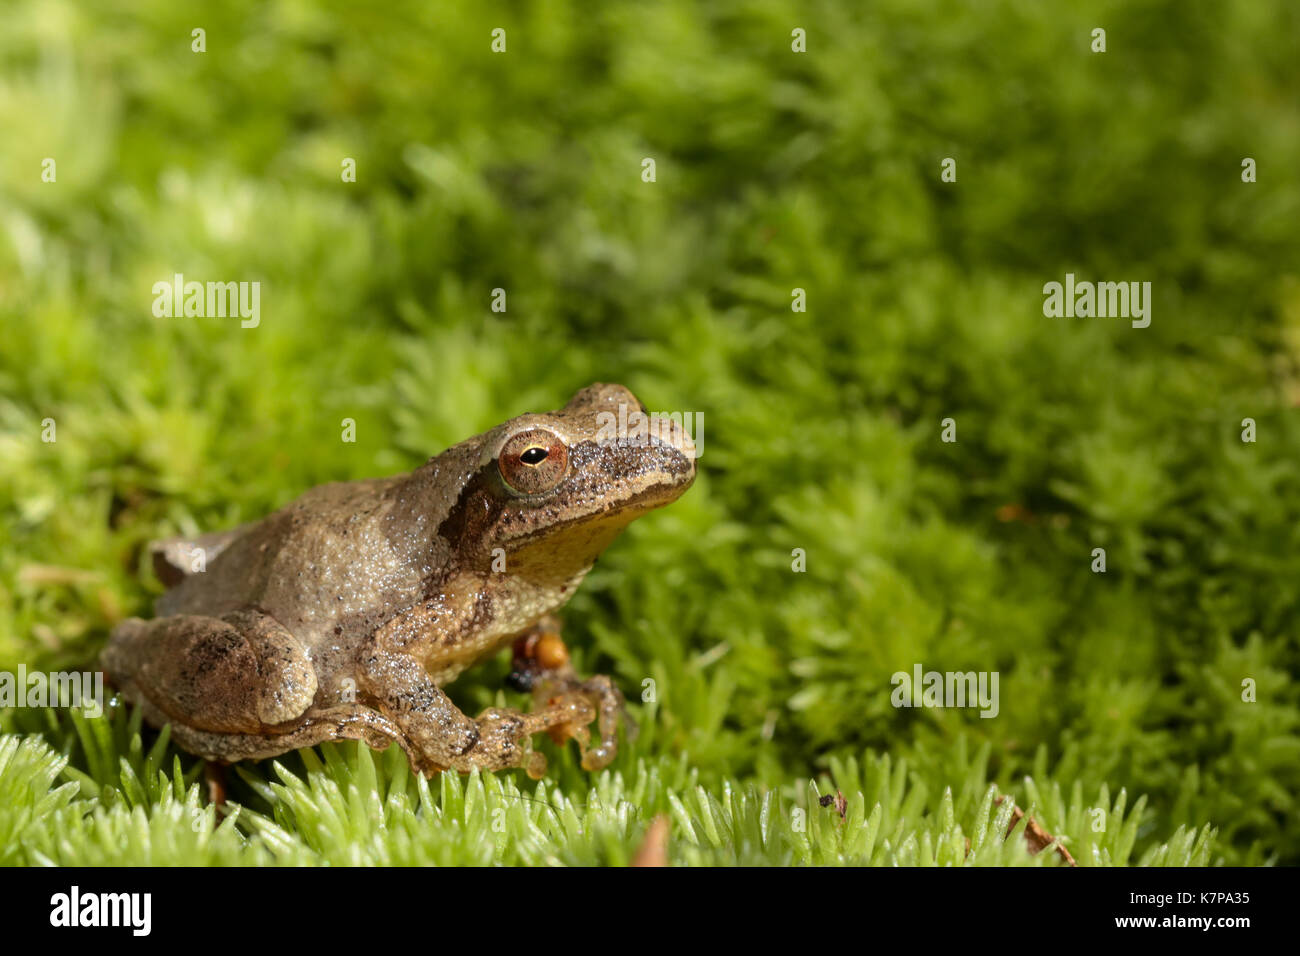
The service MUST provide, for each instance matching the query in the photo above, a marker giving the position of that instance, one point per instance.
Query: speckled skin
(342, 614)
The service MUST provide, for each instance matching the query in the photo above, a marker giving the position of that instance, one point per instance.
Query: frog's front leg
(392, 671)
(541, 664)
(438, 736)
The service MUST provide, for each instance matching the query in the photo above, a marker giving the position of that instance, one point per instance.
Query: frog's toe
(572, 705)
(500, 742)
(599, 757)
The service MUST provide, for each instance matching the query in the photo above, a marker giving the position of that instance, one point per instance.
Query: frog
(345, 614)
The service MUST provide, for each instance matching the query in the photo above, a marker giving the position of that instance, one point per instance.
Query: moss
(775, 171)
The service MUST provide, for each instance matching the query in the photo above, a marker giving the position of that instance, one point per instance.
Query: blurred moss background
(775, 171)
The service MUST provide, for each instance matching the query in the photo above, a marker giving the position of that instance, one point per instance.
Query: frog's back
(332, 552)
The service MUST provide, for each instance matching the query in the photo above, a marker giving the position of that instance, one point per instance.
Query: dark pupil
(533, 456)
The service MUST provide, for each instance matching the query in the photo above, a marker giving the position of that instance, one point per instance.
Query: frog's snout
(669, 465)
(678, 449)
(652, 454)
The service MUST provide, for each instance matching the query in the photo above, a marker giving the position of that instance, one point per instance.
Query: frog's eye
(533, 462)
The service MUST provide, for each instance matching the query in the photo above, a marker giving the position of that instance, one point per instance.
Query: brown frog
(343, 614)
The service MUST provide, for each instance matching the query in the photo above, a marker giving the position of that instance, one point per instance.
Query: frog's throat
(564, 550)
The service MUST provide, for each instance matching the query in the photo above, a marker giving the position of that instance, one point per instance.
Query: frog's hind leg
(232, 688)
(242, 673)
(351, 722)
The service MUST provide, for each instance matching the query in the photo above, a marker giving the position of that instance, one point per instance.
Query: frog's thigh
(236, 674)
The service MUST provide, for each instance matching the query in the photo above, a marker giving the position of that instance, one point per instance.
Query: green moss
(775, 171)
